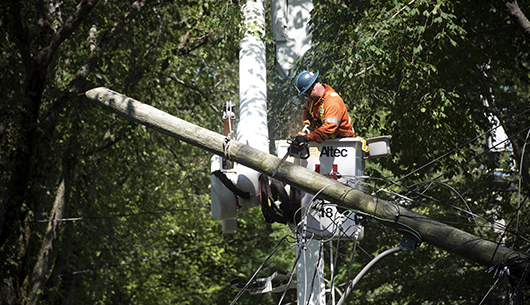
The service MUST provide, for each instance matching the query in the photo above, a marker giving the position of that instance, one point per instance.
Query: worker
(325, 113)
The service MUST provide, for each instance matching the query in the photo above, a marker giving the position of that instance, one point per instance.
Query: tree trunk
(443, 236)
(48, 250)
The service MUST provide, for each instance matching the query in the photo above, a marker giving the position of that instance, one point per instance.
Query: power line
(414, 191)
(259, 268)
(465, 144)
(486, 151)
(123, 215)
(166, 255)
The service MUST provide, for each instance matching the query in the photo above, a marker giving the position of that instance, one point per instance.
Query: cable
(259, 268)
(364, 213)
(164, 255)
(491, 288)
(473, 215)
(384, 220)
(122, 215)
(306, 210)
(456, 192)
(463, 145)
(291, 277)
(301, 230)
(351, 261)
(520, 177)
(439, 201)
(468, 211)
(365, 270)
(486, 151)
(431, 198)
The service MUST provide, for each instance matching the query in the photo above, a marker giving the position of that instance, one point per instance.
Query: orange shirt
(328, 117)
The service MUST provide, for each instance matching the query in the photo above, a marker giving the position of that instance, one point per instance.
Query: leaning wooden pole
(440, 235)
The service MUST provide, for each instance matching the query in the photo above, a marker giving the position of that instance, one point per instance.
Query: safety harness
(276, 204)
(230, 185)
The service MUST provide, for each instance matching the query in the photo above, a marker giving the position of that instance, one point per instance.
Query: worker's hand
(300, 138)
(306, 128)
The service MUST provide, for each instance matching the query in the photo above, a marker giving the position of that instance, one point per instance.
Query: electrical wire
(290, 277)
(491, 288)
(123, 215)
(422, 194)
(301, 229)
(468, 211)
(351, 262)
(463, 145)
(476, 156)
(164, 255)
(312, 202)
(365, 270)
(473, 215)
(258, 270)
(428, 197)
(306, 212)
(504, 268)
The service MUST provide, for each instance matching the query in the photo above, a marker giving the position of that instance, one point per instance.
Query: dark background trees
(97, 209)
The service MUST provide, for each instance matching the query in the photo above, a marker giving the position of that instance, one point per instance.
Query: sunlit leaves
(420, 71)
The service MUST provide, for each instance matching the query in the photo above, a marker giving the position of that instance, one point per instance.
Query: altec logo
(313, 152)
(329, 151)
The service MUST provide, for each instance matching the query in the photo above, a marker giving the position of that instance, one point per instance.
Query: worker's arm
(306, 116)
(324, 132)
(330, 124)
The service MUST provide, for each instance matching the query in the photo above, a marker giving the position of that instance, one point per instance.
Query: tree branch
(97, 51)
(70, 25)
(518, 16)
(22, 35)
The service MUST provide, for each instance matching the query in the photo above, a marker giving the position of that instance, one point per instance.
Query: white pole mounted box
(337, 159)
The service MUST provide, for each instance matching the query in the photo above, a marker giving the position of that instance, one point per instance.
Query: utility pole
(440, 235)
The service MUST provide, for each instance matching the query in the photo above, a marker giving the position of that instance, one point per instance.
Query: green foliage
(421, 71)
(138, 227)
(137, 223)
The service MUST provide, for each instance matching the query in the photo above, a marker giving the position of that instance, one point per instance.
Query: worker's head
(305, 81)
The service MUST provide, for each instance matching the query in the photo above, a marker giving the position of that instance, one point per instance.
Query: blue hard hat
(304, 81)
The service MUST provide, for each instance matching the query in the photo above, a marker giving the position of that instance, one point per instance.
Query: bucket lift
(233, 186)
(237, 188)
(290, 20)
(342, 160)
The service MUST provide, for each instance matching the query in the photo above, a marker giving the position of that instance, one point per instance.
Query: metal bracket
(410, 240)
(266, 285)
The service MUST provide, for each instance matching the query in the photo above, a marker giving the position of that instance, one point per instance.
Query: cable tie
(396, 217)
(227, 143)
